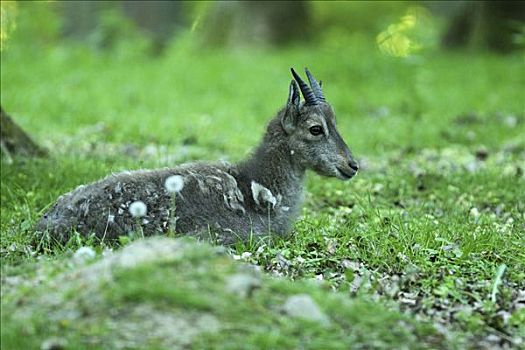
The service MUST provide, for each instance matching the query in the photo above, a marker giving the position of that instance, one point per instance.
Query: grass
(188, 285)
(432, 229)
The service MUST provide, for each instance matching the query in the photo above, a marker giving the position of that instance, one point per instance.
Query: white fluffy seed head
(474, 212)
(84, 254)
(138, 209)
(174, 184)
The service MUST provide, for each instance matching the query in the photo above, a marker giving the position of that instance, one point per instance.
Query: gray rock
(242, 284)
(303, 306)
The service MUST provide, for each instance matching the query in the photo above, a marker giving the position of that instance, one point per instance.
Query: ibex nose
(353, 164)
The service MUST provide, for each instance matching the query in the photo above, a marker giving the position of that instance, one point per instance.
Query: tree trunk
(237, 23)
(486, 24)
(14, 141)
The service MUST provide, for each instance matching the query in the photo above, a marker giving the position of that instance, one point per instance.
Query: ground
(429, 237)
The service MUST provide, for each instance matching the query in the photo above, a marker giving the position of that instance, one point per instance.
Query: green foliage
(413, 33)
(36, 23)
(118, 36)
(363, 17)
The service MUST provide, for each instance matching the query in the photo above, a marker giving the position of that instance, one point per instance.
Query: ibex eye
(316, 130)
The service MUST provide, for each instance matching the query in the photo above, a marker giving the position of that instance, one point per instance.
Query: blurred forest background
(345, 43)
(474, 24)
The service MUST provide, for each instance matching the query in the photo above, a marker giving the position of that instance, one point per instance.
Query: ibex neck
(272, 166)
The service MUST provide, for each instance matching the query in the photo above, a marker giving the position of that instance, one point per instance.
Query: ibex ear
(289, 119)
(293, 94)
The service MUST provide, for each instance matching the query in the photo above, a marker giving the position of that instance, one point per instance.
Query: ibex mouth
(346, 175)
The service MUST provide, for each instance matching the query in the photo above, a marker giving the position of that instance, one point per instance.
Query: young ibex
(260, 195)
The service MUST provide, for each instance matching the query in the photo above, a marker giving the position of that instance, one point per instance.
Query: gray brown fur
(218, 199)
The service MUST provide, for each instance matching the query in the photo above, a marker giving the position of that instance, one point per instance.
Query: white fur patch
(265, 194)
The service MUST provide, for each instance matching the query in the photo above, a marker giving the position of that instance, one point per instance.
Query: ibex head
(311, 131)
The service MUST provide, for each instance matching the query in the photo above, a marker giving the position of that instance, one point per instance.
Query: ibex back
(227, 202)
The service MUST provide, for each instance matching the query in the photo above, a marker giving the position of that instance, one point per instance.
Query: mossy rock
(163, 293)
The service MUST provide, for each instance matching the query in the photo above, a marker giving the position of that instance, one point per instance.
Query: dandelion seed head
(138, 209)
(174, 184)
(84, 254)
(474, 212)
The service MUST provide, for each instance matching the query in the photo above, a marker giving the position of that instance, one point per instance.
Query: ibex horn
(315, 85)
(308, 94)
